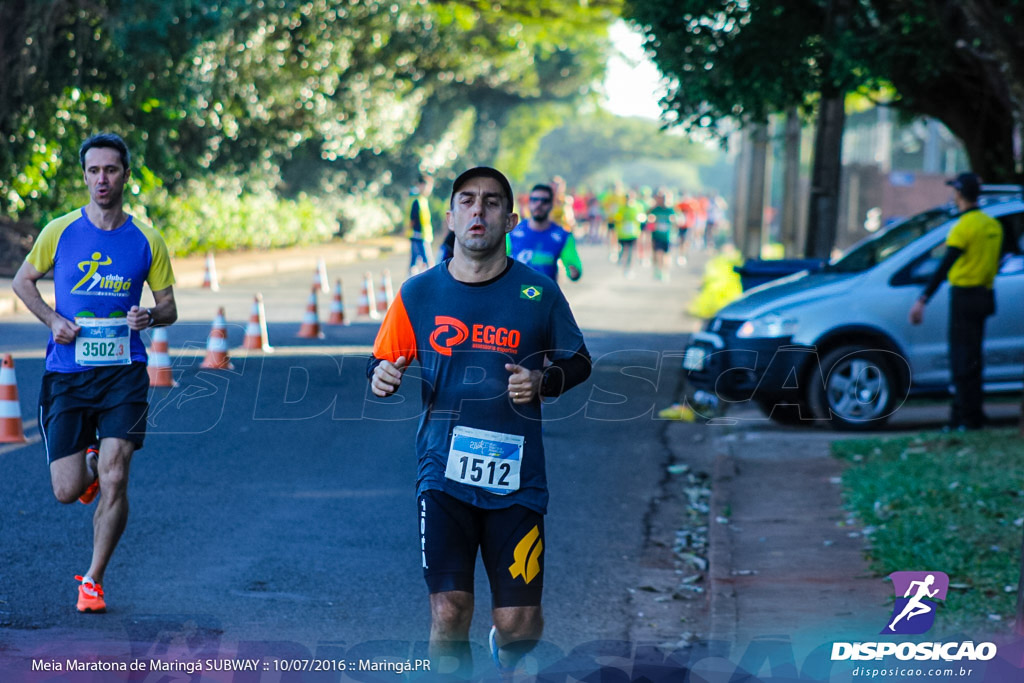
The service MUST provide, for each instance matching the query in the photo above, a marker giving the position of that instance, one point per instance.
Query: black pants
(969, 306)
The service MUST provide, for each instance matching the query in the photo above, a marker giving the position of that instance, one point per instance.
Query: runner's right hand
(64, 331)
(387, 377)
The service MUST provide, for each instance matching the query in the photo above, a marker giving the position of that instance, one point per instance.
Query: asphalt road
(272, 508)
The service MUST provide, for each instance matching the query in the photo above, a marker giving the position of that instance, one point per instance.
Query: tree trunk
(976, 110)
(752, 234)
(791, 185)
(824, 200)
(986, 130)
(741, 189)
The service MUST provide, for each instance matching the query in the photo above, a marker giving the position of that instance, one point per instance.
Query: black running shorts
(511, 543)
(106, 402)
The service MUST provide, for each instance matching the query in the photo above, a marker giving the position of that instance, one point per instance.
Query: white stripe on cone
(217, 344)
(158, 359)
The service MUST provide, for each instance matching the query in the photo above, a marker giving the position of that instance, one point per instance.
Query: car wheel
(859, 389)
(785, 413)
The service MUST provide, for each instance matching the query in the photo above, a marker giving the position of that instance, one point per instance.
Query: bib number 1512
(486, 471)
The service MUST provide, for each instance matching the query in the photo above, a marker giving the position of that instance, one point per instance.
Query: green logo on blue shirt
(531, 292)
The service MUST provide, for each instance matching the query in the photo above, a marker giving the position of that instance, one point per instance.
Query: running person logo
(90, 268)
(106, 284)
(914, 610)
(449, 332)
(527, 556)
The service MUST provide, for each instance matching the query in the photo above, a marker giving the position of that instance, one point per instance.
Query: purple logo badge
(916, 593)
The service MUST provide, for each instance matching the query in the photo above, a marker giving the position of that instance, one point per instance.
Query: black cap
(483, 172)
(967, 184)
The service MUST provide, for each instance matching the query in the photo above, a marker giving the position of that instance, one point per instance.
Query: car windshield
(869, 253)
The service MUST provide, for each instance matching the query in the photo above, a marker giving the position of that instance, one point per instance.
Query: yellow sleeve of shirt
(960, 234)
(44, 251)
(161, 276)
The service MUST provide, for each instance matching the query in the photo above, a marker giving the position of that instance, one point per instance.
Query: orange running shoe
(94, 488)
(90, 596)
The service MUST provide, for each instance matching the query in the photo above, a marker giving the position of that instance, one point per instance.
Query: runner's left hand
(523, 384)
(138, 318)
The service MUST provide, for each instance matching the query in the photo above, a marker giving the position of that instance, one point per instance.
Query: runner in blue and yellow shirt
(96, 385)
(481, 479)
(541, 243)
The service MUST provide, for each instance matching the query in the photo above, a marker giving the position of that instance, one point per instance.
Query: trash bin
(757, 272)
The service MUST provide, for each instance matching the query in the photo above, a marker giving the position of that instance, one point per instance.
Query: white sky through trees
(632, 83)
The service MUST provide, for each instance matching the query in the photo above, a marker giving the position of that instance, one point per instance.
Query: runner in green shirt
(664, 218)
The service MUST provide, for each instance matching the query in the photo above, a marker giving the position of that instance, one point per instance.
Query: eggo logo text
(497, 336)
(450, 332)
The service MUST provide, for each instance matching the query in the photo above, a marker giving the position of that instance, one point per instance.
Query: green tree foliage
(584, 146)
(509, 64)
(733, 60)
(307, 97)
(959, 62)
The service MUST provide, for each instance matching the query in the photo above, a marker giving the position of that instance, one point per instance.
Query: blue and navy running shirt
(542, 249)
(463, 335)
(99, 274)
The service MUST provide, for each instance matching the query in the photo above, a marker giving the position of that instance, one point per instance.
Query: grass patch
(952, 503)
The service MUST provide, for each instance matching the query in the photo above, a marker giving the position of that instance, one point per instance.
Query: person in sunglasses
(540, 243)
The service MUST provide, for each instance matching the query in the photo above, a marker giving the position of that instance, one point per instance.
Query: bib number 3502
(489, 460)
(102, 341)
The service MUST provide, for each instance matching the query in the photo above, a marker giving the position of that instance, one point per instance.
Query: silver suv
(835, 347)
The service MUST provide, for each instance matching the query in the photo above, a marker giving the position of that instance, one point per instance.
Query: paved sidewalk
(189, 271)
(787, 572)
(784, 563)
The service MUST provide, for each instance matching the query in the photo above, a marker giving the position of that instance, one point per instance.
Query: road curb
(193, 277)
(723, 604)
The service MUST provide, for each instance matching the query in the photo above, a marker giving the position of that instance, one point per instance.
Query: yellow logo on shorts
(527, 556)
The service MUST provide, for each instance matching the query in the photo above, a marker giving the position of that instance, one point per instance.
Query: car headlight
(768, 325)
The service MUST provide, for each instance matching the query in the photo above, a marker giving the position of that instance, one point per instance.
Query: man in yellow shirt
(421, 233)
(971, 262)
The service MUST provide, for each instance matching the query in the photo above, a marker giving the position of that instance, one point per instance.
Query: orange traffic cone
(320, 280)
(367, 307)
(337, 316)
(256, 338)
(10, 407)
(310, 327)
(217, 345)
(386, 294)
(159, 365)
(210, 275)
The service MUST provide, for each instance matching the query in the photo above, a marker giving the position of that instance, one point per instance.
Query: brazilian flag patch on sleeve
(531, 292)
